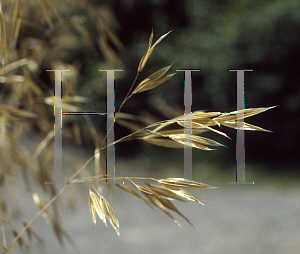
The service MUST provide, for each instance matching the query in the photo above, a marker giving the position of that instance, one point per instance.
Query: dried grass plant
(27, 48)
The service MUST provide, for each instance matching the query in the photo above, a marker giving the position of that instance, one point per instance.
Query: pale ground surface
(236, 219)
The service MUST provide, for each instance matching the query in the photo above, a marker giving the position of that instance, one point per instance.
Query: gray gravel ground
(235, 219)
(259, 218)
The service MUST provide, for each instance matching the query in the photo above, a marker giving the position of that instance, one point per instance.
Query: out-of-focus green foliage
(216, 36)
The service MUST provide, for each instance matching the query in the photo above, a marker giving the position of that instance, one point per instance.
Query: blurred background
(216, 36)
(211, 35)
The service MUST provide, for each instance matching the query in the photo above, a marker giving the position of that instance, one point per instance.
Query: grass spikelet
(164, 193)
(92, 206)
(184, 183)
(147, 55)
(241, 114)
(196, 141)
(182, 193)
(111, 215)
(160, 196)
(162, 138)
(98, 204)
(158, 141)
(153, 80)
(168, 204)
(133, 193)
(149, 50)
(155, 201)
(242, 126)
(40, 205)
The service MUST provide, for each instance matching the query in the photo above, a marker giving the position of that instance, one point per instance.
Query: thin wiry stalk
(35, 216)
(127, 95)
(50, 202)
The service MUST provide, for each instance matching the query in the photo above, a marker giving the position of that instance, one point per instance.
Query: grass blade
(2, 38)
